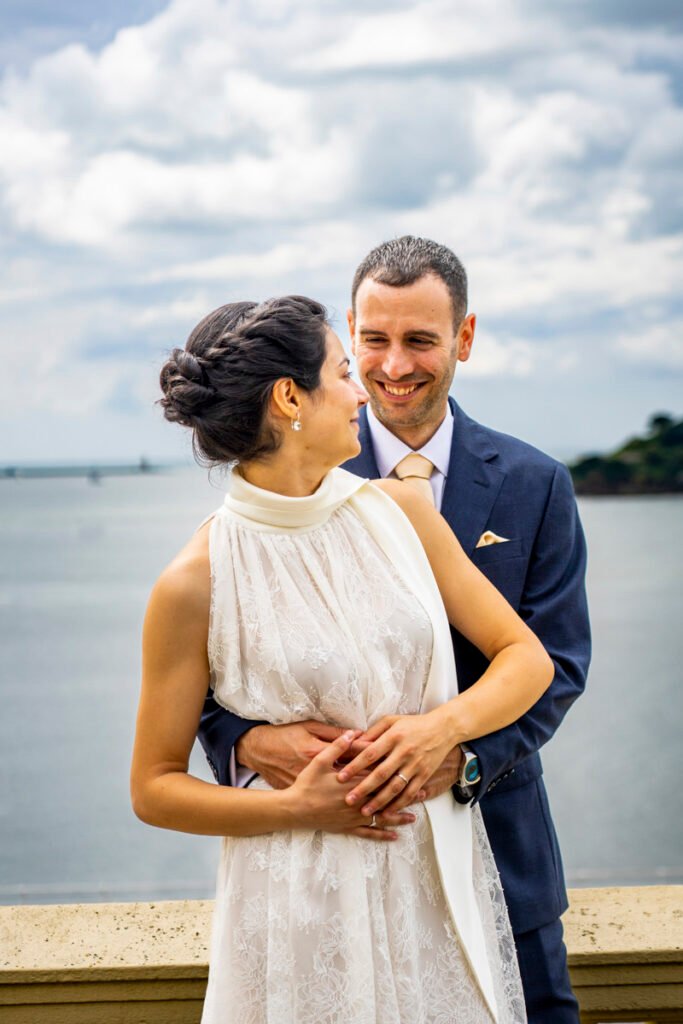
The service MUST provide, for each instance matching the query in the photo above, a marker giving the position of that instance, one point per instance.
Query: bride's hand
(318, 800)
(404, 752)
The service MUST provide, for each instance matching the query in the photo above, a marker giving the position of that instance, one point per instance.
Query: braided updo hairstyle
(220, 384)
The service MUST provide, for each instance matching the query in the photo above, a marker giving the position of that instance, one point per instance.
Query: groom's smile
(397, 389)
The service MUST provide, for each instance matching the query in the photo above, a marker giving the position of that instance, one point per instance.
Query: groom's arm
(554, 605)
(238, 749)
(219, 732)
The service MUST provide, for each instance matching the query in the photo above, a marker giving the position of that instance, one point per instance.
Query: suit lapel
(364, 464)
(473, 480)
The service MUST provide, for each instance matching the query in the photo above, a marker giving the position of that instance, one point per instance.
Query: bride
(313, 594)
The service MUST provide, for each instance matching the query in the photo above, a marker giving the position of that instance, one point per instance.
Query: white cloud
(501, 356)
(163, 126)
(237, 148)
(332, 244)
(429, 31)
(659, 346)
(38, 352)
(119, 190)
(187, 309)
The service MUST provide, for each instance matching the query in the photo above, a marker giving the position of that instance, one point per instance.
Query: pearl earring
(296, 424)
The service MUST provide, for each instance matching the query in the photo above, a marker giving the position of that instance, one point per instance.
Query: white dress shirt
(389, 450)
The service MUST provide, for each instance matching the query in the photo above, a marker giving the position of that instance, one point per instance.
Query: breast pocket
(498, 552)
(505, 566)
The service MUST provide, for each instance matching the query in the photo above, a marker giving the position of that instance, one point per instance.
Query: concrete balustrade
(146, 963)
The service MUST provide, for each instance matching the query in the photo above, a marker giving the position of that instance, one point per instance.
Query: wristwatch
(470, 774)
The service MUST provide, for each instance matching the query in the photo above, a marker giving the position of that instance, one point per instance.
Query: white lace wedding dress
(310, 619)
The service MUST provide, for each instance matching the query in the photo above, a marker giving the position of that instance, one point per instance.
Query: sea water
(77, 562)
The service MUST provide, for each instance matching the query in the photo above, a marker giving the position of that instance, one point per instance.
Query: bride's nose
(361, 395)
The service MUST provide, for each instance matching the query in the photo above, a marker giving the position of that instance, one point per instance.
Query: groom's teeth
(393, 390)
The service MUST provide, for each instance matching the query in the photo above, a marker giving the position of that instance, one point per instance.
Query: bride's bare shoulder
(186, 581)
(417, 508)
(430, 526)
(394, 488)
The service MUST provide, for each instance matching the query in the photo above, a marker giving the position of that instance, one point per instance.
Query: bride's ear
(285, 400)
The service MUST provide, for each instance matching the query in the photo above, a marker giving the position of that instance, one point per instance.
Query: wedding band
(403, 777)
(374, 821)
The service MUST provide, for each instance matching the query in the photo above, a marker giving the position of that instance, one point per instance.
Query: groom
(513, 511)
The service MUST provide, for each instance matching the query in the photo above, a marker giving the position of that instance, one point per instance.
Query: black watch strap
(462, 796)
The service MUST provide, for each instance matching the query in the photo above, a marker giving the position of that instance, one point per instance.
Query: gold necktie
(416, 470)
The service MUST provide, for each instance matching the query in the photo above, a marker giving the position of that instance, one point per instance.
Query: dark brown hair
(220, 384)
(402, 261)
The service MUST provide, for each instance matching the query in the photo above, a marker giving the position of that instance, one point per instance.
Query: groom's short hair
(402, 261)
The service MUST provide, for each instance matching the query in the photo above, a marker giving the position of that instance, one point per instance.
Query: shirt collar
(389, 449)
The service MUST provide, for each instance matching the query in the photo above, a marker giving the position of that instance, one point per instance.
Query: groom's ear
(351, 321)
(465, 337)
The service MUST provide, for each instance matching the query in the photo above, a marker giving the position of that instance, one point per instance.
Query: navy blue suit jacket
(496, 482)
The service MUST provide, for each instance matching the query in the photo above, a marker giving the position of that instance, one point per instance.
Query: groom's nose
(397, 363)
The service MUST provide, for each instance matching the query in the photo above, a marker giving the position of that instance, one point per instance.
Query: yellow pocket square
(489, 537)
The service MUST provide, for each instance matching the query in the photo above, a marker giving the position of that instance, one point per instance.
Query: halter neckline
(271, 509)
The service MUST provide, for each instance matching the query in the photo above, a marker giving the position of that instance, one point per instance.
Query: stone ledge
(113, 940)
(626, 953)
(130, 963)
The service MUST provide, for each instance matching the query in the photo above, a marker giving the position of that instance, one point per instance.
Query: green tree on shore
(651, 464)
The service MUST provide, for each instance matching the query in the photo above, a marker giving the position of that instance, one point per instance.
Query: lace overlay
(311, 927)
(338, 639)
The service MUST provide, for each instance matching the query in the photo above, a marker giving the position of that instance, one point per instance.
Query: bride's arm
(175, 675)
(520, 671)
(518, 674)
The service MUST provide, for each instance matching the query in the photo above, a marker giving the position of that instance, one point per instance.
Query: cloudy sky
(158, 159)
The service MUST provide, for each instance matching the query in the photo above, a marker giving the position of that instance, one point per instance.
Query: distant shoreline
(650, 464)
(88, 471)
(627, 494)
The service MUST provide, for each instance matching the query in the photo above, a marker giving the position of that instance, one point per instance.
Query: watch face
(472, 771)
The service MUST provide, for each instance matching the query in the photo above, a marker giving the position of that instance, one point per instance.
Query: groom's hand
(445, 776)
(441, 781)
(279, 752)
